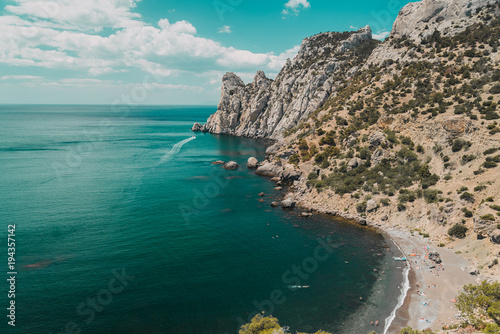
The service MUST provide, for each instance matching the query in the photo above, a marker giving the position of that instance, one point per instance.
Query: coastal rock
(273, 149)
(306, 214)
(231, 165)
(197, 127)
(371, 205)
(290, 173)
(218, 162)
(274, 204)
(434, 256)
(252, 162)
(262, 194)
(268, 169)
(278, 188)
(288, 203)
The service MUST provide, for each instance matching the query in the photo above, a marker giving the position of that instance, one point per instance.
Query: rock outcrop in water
(266, 108)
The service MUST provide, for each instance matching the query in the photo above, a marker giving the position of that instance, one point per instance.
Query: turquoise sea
(123, 225)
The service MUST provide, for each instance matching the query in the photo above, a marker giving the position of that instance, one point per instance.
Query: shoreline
(428, 306)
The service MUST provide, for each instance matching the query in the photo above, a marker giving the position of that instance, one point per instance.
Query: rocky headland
(401, 134)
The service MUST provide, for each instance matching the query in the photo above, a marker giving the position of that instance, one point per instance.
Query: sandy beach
(429, 302)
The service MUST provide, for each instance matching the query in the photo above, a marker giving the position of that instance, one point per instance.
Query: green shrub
(458, 231)
(480, 188)
(431, 195)
(467, 212)
(385, 201)
(467, 197)
(361, 207)
(294, 159)
(495, 207)
(489, 216)
(458, 144)
(462, 189)
(490, 151)
(328, 139)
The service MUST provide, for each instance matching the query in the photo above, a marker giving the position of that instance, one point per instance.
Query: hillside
(399, 133)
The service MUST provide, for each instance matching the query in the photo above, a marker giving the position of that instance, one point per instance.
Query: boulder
(262, 194)
(306, 214)
(252, 162)
(371, 205)
(354, 163)
(197, 127)
(273, 149)
(474, 272)
(278, 188)
(376, 139)
(286, 154)
(268, 169)
(434, 256)
(231, 165)
(291, 173)
(218, 162)
(495, 236)
(274, 204)
(288, 203)
(351, 140)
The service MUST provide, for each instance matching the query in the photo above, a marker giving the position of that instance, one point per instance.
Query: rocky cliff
(266, 108)
(404, 133)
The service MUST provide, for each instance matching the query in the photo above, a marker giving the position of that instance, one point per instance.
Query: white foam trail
(404, 290)
(175, 149)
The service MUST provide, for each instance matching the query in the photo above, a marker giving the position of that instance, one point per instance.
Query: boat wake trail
(164, 159)
(175, 150)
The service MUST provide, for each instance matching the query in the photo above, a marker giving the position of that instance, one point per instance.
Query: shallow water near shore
(123, 225)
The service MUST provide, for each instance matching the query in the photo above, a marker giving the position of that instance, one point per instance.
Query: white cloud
(381, 34)
(20, 77)
(82, 15)
(353, 27)
(277, 62)
(225, 30)
(63, 35)
(294, 7)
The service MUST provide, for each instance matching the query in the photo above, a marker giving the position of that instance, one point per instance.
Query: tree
(481, 300)
(267, 325)
(458, 230)
(261, 325)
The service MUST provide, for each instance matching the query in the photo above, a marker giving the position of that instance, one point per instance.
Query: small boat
(298, 286)
(398, 258)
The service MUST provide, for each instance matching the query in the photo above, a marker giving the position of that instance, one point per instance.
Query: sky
(160, 52)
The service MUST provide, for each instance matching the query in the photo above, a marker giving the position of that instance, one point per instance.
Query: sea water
(124, 225)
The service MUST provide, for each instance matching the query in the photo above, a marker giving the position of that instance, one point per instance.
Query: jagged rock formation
(266, 108)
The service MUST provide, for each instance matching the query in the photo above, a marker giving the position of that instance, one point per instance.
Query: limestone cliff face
(266, 108)
(418, 19)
